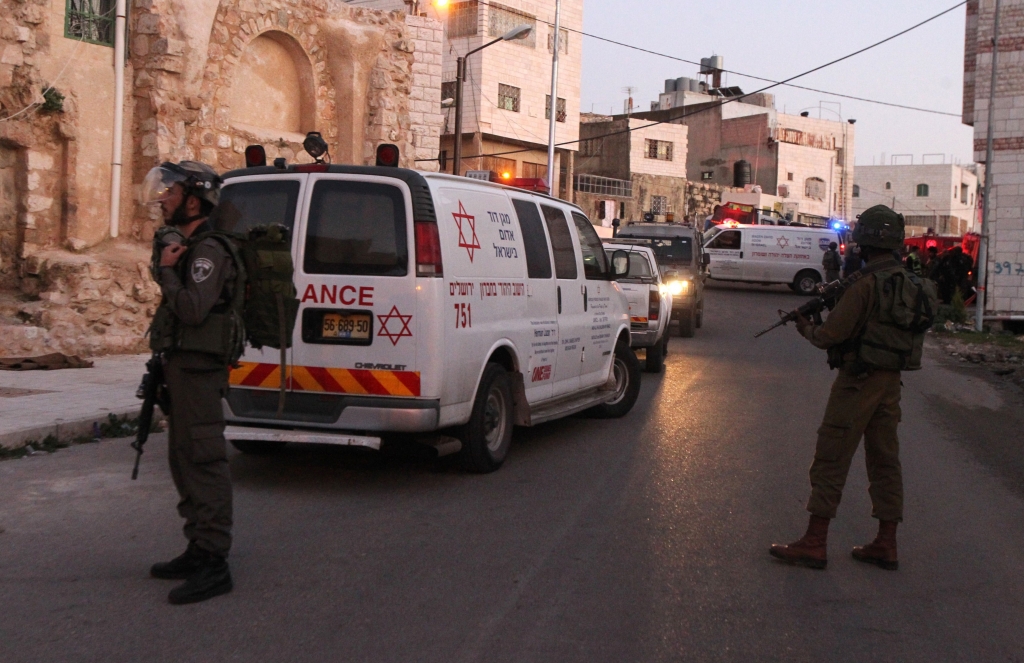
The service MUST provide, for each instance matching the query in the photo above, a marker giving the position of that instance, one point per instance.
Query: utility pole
(120, 17)
(460, 76)
(554, 96)
(982, 266)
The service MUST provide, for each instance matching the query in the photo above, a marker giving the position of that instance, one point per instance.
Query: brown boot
(809, 551)
(882, 551)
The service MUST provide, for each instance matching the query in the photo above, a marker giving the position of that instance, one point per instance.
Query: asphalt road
(641, 539)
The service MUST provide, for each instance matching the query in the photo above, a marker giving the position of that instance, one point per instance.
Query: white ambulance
(770, 254)
(430, 304)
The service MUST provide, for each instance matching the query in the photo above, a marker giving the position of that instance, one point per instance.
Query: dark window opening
(561, 243)
(356, 228)
(247, 205)
(535, 243)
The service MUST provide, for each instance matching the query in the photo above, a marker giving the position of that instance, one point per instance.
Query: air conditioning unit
(783, 191)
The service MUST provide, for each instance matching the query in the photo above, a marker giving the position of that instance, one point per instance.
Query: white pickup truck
(650, 303)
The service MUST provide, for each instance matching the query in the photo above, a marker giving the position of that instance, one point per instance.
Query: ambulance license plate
(354, 326)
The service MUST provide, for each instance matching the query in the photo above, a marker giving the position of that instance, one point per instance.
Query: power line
(739, 98)
(751, 76)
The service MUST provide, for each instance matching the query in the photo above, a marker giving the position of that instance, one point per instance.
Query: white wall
(673, 133)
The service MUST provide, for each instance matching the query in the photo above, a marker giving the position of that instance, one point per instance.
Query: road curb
(65, 431)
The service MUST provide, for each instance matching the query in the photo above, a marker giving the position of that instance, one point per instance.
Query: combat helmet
(881, 227)
(198, 179)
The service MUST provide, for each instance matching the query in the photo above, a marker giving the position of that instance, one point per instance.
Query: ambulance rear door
(245, 203)
(358, 326)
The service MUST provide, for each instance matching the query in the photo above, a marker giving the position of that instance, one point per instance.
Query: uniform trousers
(868, 407)
(197, 449)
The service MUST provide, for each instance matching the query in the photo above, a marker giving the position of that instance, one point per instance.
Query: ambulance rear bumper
(248, 407)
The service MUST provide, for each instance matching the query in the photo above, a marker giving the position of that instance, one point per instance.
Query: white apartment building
(939, 197)
(506, 95)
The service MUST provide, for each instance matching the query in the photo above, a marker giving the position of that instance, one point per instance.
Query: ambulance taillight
(428, 250)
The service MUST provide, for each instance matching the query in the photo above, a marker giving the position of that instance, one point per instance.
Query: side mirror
(707, 259)
(620, 264)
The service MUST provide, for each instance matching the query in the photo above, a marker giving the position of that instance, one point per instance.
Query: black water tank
(741, 173)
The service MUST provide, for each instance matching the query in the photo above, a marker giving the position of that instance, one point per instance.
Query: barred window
(604, 186)
(814, 187)
(463, 19)
(499, 165)
(90, 20)
(561, 113)
(659, 205)
(508, 97)
(591, 147)
(447, 90)
(535, 170)
(505, 19)
(658, 149)
(563, 40)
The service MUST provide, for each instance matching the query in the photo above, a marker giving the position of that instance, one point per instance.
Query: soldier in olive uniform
(832, 263)
(865, 402)
(192, 331)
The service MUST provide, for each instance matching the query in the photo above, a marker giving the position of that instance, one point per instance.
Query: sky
(777, 39)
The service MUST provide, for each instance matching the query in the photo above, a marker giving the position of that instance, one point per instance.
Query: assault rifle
(149, 392)
(828, 295)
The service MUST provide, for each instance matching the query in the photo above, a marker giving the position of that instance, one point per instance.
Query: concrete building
(203, 79)
(803, 165)
(939, 197)
(1005, 293)
(630, 173)
(506, 95)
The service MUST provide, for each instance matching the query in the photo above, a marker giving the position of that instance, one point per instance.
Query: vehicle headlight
(676, 287)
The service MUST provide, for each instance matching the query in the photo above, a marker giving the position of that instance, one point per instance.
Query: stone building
(805, 162)
(203, 79)
(943, 198)
(629, 173)
(1005, 295)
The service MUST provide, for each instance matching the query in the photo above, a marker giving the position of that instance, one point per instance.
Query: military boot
(212, 579)
(882, 551)
(810, 551)
(181, 567)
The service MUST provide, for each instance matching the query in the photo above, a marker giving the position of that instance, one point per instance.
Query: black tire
(487, 436)
(655, 362)
(687, 323)
(258, 447)
(627, 381)
(806, 282)
(700, 316)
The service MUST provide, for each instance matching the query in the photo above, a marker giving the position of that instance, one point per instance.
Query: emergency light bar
(255, 156)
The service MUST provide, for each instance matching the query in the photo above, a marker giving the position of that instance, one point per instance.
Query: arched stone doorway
(273, 87)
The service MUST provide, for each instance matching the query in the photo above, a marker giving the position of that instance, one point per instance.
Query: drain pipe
(115, 162)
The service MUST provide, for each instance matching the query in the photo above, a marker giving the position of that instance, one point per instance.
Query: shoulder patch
(202, 269)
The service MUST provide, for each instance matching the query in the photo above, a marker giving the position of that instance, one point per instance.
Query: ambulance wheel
(488, 435)
(806, 282)
(687, 323)
(258, 447)
(656, 356)
(626, 369)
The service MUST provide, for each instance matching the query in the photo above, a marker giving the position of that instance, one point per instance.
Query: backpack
(893, 338)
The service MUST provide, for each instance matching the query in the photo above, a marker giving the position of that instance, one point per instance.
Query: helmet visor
(157, 185)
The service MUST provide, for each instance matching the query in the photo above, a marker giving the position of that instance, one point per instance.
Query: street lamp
(521, 32)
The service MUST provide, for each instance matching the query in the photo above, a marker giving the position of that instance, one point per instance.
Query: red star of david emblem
(783, 242)
(394, 315)
(468, 219)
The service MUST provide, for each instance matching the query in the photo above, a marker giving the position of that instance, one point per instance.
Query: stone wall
(701, 198)
(204, 79)
(360, 77)
(1005, 286)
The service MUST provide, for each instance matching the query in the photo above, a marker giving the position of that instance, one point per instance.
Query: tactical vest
(893, 337)
(222, 333)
